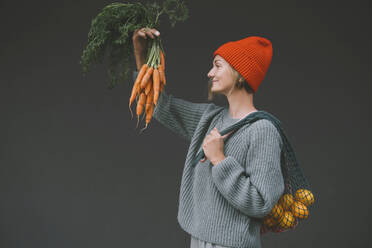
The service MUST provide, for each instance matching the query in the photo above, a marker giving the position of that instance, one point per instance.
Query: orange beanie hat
(251, 57)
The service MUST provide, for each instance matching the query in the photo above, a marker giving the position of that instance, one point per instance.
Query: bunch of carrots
(149, 82)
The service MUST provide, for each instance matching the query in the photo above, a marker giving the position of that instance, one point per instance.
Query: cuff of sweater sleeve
(224, 168)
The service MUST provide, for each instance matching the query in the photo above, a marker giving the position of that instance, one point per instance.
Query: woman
(224, 197)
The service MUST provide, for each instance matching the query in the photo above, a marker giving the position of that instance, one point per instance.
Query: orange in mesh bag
(294, 204)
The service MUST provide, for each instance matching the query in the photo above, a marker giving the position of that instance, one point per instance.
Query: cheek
(225, 74)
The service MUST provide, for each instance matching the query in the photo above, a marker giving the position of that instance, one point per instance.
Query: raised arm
(255, 187)
(178, 115)
(181, 116)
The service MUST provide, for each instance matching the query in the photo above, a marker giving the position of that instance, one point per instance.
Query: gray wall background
(74, 172)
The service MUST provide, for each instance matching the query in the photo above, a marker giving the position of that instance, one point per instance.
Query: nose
(210, 73)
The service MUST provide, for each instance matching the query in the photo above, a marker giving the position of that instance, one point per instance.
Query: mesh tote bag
(294, 204)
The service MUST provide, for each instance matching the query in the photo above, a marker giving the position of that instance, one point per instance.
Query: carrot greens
(111, 33)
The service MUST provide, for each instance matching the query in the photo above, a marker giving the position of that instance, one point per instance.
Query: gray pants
(197, 243)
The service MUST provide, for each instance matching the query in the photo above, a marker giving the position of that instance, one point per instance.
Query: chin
(216, 90)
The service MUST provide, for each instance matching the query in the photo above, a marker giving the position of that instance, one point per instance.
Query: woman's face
(222, 76)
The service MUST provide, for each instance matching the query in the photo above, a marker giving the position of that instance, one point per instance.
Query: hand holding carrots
(140, 41)
(151, 77)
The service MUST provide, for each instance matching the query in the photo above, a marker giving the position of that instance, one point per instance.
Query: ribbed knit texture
(250, 56)
(223, 204)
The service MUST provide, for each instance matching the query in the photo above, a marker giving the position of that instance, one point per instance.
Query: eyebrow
(217, 60)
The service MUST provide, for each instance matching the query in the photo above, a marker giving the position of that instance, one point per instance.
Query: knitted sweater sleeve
(255, 187)
(180, 116)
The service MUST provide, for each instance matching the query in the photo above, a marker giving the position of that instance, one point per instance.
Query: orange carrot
(156, 82)
(140, 104)
(149, 108)
(133, 96)
(149, 98)
(142, 71)
(162, 59)
(165, 79)
(148, 87)
(148, 117)
(161, 72)
(145, 78)
(162, 76)
(140, 75)
(136, 84)
(149, 114)
(162, 68)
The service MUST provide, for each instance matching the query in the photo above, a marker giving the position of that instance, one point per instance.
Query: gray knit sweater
(223, 204)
